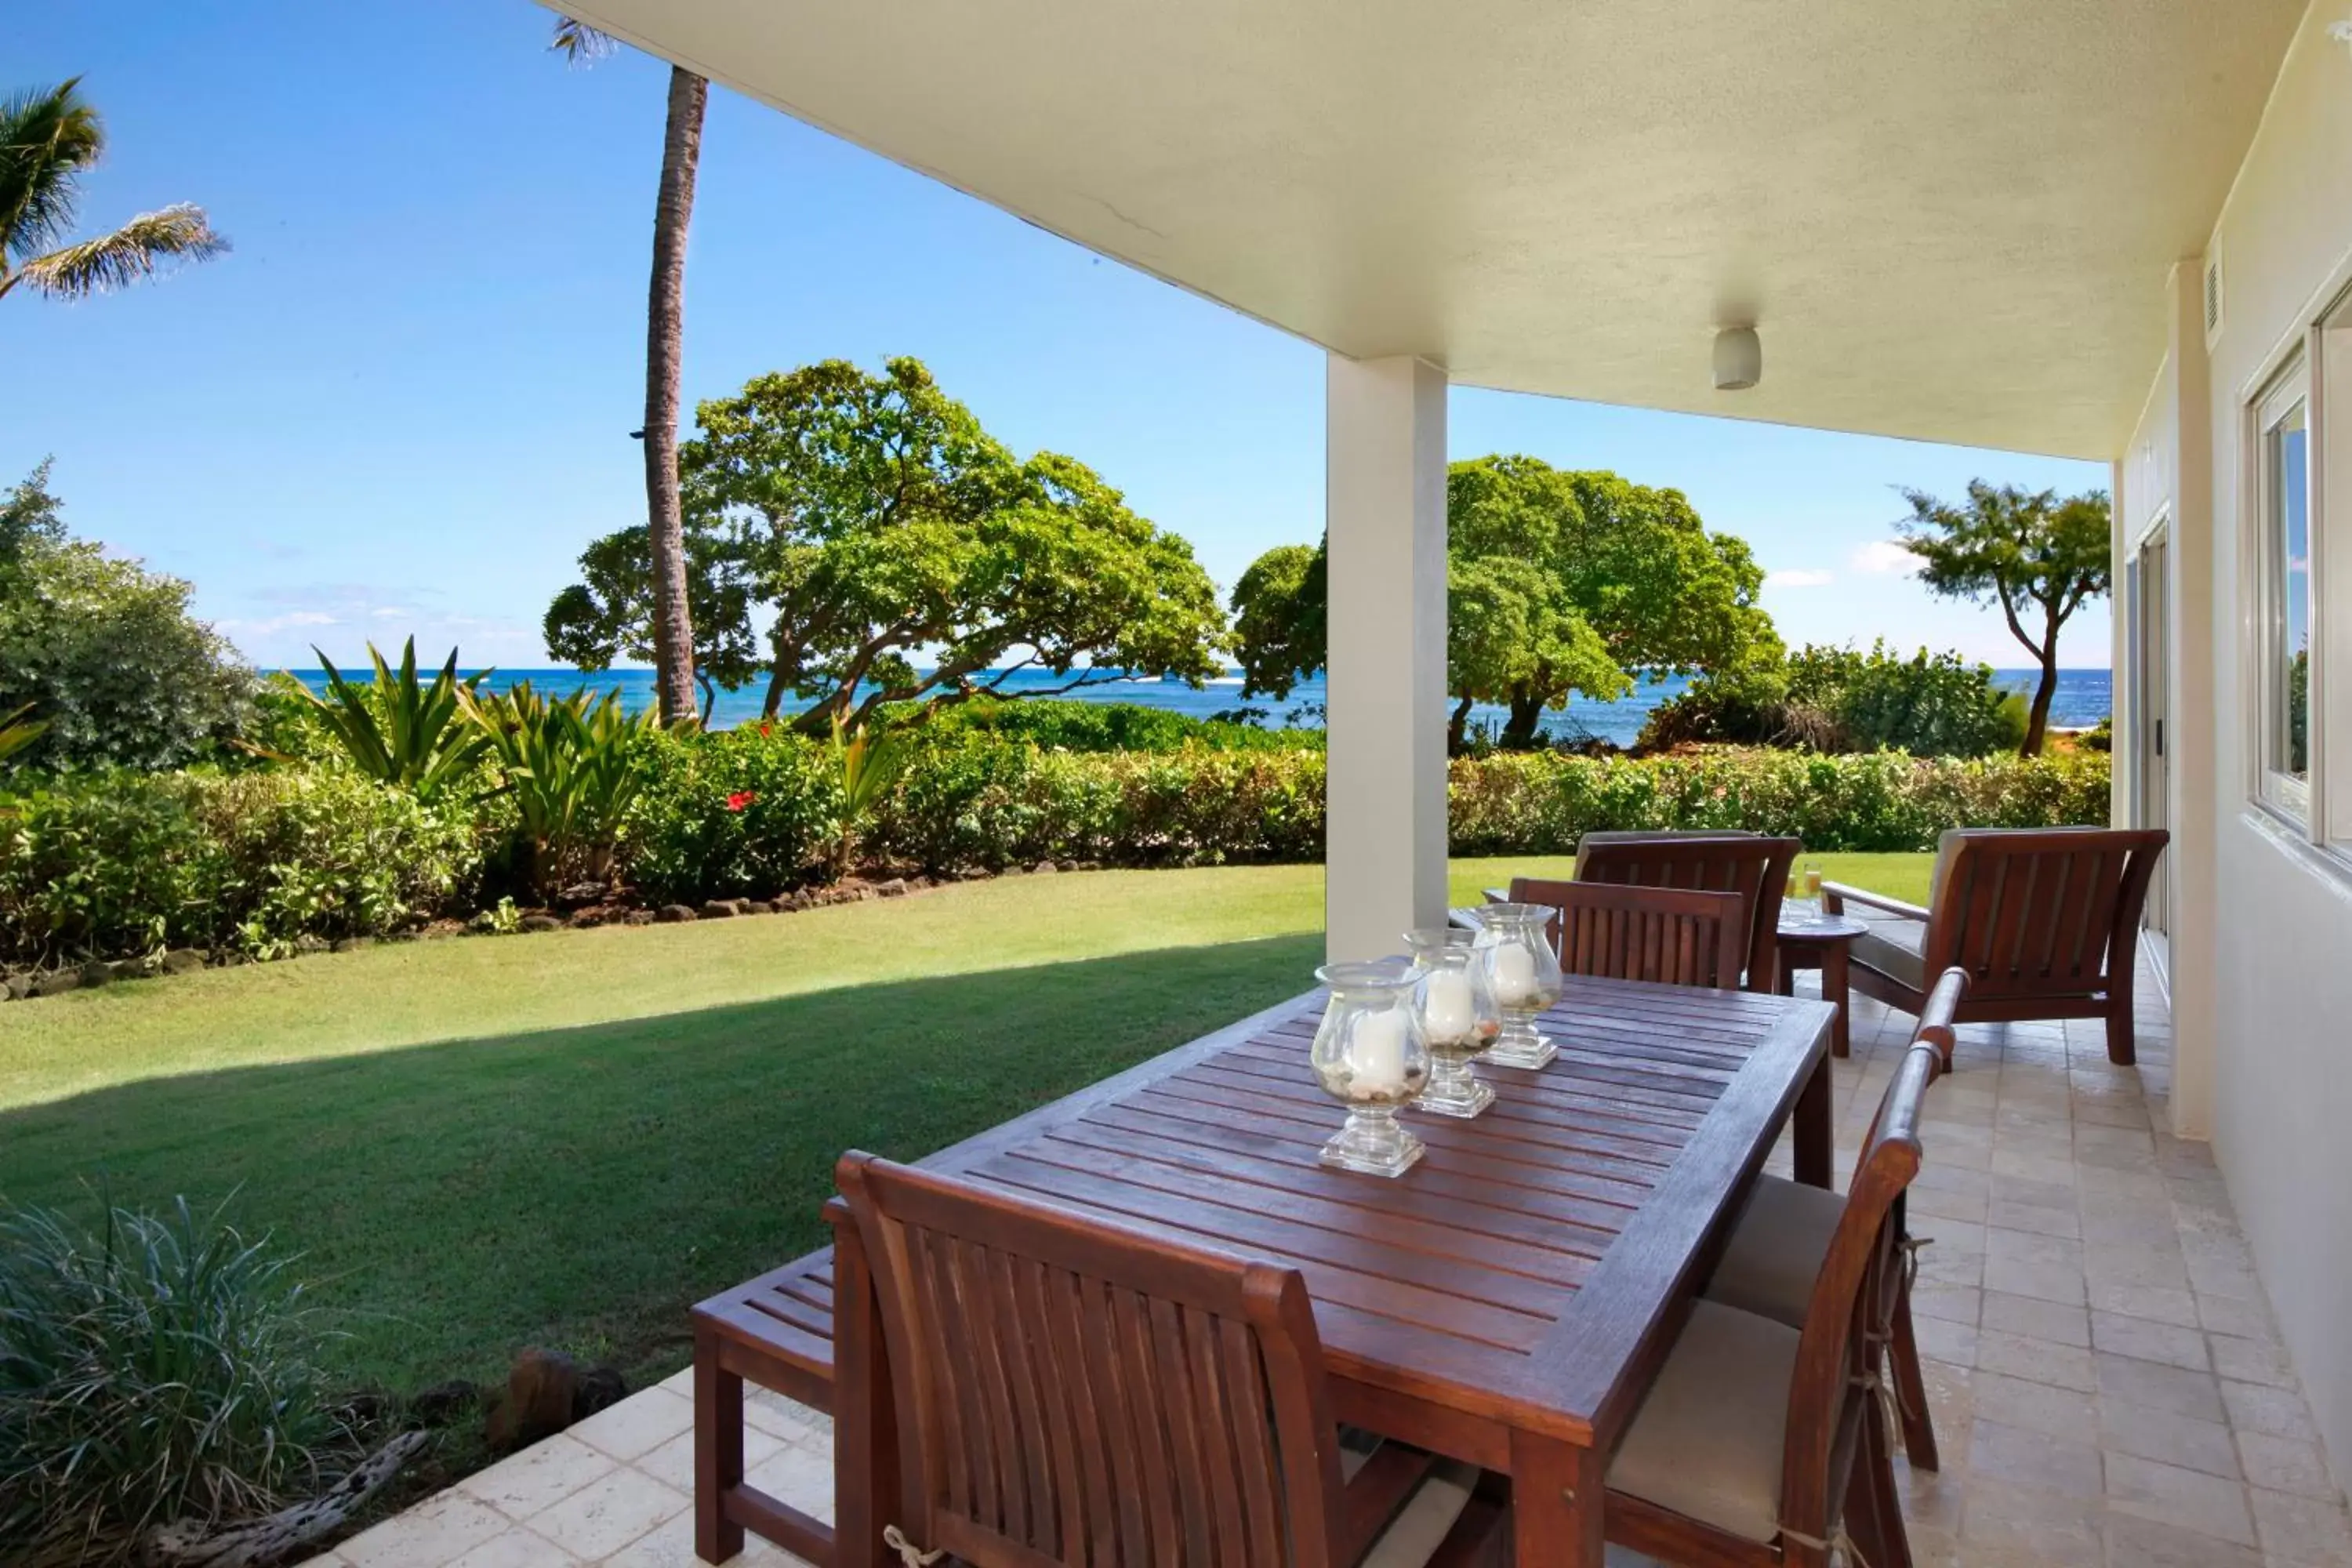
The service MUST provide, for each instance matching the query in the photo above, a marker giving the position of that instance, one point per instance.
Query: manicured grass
(567, 1138)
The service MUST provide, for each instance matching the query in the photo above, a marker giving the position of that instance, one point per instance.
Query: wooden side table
(1810, 940)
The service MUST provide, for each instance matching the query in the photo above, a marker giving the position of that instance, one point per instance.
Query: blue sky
(402, 403)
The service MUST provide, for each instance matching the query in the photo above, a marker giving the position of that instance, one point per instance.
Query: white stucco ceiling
(1951, 219)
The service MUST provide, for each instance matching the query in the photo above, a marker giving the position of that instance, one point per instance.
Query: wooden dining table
(1507, 1301)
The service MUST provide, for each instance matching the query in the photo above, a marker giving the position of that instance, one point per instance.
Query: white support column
(1384, 490)
(2193, 721)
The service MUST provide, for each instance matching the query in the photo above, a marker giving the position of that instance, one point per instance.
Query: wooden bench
(775, 1331)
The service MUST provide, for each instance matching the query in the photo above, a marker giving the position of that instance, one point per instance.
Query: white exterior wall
(2263, 933)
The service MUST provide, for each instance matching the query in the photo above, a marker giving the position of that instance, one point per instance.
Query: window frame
(2276, 791)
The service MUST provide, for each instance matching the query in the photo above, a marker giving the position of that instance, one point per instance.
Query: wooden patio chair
(1755, 868)
(1761, 1445)
(1671, 935)
(1784, 1237)
(2045, 919)
(1070, 1391)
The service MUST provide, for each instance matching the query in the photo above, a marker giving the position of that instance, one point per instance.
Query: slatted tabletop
(1529, 1268)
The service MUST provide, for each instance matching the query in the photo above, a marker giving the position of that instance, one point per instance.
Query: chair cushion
(1421, 1526)
(1706, 1441)
(1892, 948)
(1776, 1250)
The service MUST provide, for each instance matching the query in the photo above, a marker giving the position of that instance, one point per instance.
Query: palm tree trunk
(665, 359)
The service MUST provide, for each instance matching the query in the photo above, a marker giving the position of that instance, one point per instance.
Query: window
(2284, 624)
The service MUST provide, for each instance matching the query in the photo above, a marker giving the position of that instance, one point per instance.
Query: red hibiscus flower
(740, 798)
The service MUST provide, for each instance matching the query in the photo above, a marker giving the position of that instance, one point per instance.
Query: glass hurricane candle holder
(1370, 1056)
(1458, 1019)
(1523, 972)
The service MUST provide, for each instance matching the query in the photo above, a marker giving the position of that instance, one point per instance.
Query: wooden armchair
(2044, 921)
(1761, 1445)
(1069, 1392)
(1670, 935)
(1755, 868)
(1784, 1236)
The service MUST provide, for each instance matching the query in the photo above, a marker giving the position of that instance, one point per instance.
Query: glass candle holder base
(1373, 1144)
(1454, 1090)
(1522, 1045)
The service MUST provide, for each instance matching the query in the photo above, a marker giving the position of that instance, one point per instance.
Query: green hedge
(113, 865)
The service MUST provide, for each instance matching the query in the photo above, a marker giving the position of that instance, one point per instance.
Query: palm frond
(132, 252)
(47, 137)
(19, 730)
(578, 42)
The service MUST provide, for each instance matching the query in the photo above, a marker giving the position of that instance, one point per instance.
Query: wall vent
(2212, 299)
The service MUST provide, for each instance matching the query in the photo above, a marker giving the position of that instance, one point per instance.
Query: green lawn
(566, 1139)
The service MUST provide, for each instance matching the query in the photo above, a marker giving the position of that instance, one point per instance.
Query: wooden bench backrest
(1754, 868)
(1069, 1392)
(1671, 935)
(2037, 912)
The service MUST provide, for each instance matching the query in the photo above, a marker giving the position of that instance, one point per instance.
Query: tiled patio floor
(2107, 1388)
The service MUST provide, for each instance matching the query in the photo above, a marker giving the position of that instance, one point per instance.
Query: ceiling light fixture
(2341, 31)
(1738, 359)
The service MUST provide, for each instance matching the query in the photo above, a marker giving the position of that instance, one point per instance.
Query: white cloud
(1885, 558)
(1798, 577)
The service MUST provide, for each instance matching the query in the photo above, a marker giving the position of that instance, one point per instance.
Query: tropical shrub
(116, 865)
(729, 813)
(163, 1369)
(400, 730)
(1841, 700)
(1076, 726)
(571, 768)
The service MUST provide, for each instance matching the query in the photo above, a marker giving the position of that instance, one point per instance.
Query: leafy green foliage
(163, 1369)
(2035, 556)
(865, 762)
(50, 138)
(120, 864)
(1557, 582)
(1841, 700)
(400, 730)
(609, 616)
(571, 768)
(18, 731)
(105, 651)
(736, 813)
(873, 518)
(1079, 726)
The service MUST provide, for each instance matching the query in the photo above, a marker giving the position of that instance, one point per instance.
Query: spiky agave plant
(401, 730)
(866, 761)
(571, 766)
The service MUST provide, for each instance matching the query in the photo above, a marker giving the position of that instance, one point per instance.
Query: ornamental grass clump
(163, 1370)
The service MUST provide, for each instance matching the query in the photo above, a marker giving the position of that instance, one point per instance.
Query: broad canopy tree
(898, 552)
(2036, 556)
(1557, 582)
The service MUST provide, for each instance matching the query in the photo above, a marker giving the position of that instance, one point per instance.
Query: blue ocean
(2084, 698)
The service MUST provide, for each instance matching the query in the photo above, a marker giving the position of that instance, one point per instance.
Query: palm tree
(48, 137)
(665, 359)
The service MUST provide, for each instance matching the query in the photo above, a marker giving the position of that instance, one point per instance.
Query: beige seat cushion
(1776, 1250)
(1420, 1527)
(1892, 947)
(1706, 1441)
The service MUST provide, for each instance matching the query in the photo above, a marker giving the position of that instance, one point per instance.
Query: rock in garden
(353, 943)
(96, 972)
(758, 907)
(306, 943)
(1042, 867)
(182, 961)
(582, 893)
(718, 909)
(599, 1388)
(541, 922)
(673, 913)
(1072, 865)
(641, 918)
(57, 981)
(895, 887)
(541, 1388)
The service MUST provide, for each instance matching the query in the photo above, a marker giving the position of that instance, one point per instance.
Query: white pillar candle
(1515, 975)
(1447, 1008)
(1376, 1054)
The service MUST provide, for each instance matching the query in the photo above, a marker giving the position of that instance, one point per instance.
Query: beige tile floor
(2108, 1387)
